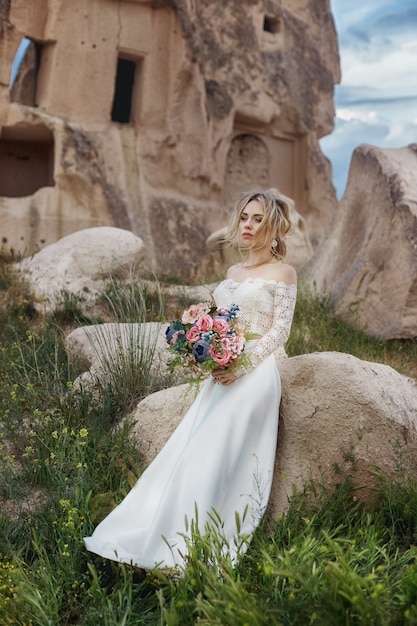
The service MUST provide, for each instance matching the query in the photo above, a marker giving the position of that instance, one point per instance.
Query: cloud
(401, 23)
(391, 71)
(376, 102)
(386, 28)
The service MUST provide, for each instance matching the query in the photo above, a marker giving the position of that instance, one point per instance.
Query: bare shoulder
(285, 273)
(232, 271)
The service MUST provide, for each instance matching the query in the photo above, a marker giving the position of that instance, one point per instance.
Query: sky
(376, 101)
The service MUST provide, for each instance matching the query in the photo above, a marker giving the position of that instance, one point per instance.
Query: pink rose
(191, 315)
(234, 344)
(221, 356)
(221, 325)
(192, 334)
(204, 323)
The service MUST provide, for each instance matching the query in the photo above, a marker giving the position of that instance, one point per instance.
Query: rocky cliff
(152, 116)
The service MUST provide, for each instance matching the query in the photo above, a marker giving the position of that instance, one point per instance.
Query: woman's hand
(224, 377)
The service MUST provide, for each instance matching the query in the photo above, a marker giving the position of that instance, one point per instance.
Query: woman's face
(250, 220)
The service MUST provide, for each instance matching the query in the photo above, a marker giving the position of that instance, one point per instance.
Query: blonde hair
(276, 222)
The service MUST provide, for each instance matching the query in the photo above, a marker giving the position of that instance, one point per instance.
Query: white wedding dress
(221, 456)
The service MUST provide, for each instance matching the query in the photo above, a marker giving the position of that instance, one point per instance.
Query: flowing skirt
(221, 457)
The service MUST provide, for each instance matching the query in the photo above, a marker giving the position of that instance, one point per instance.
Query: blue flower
(169, 333)
(172, 329)
(232, 312)
(201, 350)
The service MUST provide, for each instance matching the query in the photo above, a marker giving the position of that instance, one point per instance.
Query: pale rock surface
(369, 261)
(81, 263)
(338, 416)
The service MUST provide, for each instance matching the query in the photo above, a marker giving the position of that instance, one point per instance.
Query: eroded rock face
(369, 262)
(243, 101)
(80, 264)
(338, 416)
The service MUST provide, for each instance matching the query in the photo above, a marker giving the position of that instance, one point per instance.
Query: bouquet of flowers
(206, 338)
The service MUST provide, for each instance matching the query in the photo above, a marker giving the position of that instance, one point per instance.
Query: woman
(220, 459)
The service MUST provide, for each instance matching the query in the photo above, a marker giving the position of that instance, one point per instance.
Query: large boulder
(81, 263)
(369, 261)
(339, 415)
(342, 416)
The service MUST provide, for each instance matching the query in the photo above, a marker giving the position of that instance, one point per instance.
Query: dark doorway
(122, 101)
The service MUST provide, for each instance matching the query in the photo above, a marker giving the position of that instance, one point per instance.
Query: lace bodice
(266, 310)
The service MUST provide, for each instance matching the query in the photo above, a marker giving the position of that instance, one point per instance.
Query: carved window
(25, 70)
(126, 77)
(26, 160)
(272, 24)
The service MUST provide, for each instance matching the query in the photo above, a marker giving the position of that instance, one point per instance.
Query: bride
(220, 459)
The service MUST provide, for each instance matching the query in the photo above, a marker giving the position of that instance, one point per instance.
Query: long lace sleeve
(279, 329)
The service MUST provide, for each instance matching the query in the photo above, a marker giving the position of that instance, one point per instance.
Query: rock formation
(80, 264)
(151, 116)
(369, 262)
(339, 416)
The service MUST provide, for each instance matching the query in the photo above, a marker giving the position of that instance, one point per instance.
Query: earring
(274, 243)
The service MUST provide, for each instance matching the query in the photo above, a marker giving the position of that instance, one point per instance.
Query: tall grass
(63, 467)
(124, 370)
(124, 350)
(134, 300)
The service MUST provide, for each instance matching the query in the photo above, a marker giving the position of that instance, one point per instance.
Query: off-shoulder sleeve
(279, 331)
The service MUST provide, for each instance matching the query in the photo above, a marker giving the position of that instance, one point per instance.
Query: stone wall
(152, 116)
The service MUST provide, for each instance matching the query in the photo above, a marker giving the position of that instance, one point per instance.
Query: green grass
(64, 465)
(316, 328)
